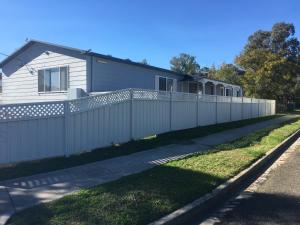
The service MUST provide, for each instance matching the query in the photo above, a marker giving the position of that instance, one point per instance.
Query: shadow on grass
(132, 200)
(182, 136)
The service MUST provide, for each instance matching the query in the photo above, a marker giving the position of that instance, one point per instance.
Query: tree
(271, 61)
(185, 64)
(271, 76)
(145, 62)
(228, 73)
(204, 71)
(212, 73)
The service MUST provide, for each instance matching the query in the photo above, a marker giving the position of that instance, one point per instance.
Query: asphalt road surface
(274, 198)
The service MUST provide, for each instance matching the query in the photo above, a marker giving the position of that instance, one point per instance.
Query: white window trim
(54, 92)
(174, 83)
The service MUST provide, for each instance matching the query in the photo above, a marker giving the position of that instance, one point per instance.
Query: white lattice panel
(97, 101)
(31, 111)
(150, 95)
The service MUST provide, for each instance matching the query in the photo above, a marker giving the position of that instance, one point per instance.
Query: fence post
(242, 116)
(251, 114)
(197, 111)
(216, 109)
(258, 107)
(131, 114)
(171, 109)
(230, 109)
(66, 127)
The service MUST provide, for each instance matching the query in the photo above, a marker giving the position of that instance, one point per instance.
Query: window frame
(1, 83)
(230, 92)
(59, 72)
(167, 78)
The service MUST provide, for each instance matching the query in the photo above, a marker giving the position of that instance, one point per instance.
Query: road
(274, 198)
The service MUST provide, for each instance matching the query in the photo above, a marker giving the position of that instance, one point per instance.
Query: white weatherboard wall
(41, 130)
(20, 85)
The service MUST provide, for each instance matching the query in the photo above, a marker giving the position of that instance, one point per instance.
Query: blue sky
(215, 31)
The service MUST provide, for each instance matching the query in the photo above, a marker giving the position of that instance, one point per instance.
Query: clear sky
(215, 31)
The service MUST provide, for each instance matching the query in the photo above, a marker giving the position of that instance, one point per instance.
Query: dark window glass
(228, 92)
(193, 87)
(0, 82)
(162, 84)
(41, 81)
(63, 79)
(47, 80)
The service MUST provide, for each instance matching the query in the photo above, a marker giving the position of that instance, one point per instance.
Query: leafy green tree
(212, 73)
(185, 64)
(271, 61)
(227, 72)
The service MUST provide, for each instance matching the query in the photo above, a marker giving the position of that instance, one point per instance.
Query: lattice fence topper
(31, 111)
(49, 109)
(93, 102)
(150, 95)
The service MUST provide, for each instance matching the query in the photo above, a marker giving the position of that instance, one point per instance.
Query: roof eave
(29, 44)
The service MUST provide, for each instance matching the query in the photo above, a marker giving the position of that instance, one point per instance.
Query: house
(41, 71)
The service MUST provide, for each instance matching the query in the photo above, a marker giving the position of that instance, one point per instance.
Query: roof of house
(29, 43)
(86, 52)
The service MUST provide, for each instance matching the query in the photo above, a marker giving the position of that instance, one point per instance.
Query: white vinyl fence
(42, 130)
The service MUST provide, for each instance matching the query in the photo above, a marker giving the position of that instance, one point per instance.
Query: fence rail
(40, 130)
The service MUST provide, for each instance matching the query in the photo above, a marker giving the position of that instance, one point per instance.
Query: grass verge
(46, 165)
(147, 196)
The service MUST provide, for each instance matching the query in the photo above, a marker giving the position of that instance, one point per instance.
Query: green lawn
(30, 168)
(147, 196)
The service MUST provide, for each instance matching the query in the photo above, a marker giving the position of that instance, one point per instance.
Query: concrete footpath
(21, 193)
(274, 198)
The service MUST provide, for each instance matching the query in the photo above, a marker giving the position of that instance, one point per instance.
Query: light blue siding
(109, 75)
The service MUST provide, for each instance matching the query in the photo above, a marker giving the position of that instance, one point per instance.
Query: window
(0, 83)
(162, 84)
(228, 92)
(53, 79)
(166, 84)
(193, 87)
